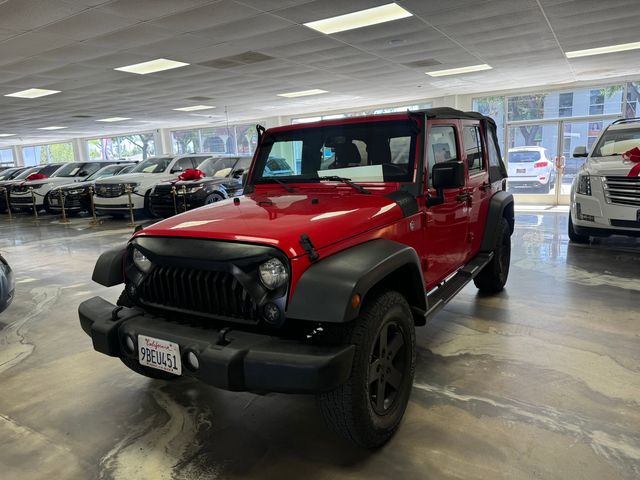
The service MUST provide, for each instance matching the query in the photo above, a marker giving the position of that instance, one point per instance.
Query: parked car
(215, 179)
(111, 194)
(77, 196)
(42, 185)
(29, 175)
(531, 167)
(313, 281)
(6, 178)
(605, 195)
(7, 284)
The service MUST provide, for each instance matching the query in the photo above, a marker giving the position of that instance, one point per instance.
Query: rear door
(446, 224)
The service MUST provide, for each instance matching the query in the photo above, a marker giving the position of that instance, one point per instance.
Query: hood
(141, 178)
(611, 165)
(54, 181)
(280, 220)
(71, 186)
(204, 180)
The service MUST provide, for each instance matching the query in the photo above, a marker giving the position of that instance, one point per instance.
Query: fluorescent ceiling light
(113, 119)
(457, 71)
(623, 47)
(153, 66)
(51, 128)
(194, 108)
(363, 18)
(7, 134)
(32, 93)
(303, 93)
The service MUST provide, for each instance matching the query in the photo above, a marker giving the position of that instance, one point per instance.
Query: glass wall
(231, 140)
(379, 111)
(6, 157)
(52, 153)
(137, 146)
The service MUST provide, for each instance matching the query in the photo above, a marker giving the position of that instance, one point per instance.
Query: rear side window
(442, 145)
(494, 158)
(473, 148)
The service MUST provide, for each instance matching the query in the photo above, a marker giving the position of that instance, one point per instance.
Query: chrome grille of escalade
(109, 190)
(622, 190)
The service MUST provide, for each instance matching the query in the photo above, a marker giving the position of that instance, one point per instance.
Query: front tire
(493, 276)
(213, 198)
(576, 237)
(368, 408)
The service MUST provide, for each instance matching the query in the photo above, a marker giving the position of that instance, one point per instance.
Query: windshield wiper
(288, 188)
(336, 178)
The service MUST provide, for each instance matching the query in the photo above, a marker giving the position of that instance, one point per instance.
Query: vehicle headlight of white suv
(584, 184)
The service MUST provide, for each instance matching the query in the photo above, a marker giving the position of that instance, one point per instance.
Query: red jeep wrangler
(350, 233)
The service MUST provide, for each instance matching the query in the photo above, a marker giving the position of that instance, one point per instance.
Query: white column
(80, 150)
(18, 159)
(163, 147)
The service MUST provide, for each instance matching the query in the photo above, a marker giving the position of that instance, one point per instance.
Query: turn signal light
(540, 164)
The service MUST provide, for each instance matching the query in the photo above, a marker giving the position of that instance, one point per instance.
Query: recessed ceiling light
(158, 65)
(363, 18)
(193, 108)
(32, 93)
(7, 134)
(113, 119)
(51, 128)
(623, 47)
(303, 93)
(457, 71)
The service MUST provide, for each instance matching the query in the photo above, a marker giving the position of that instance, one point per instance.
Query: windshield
(153, 165)
(217, 167)
(616, 142)
(525, 156)
(68, 170)
(364, 152)
(28, 172)
(9, 173)
(104, 172)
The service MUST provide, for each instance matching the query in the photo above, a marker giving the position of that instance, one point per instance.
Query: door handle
(463, 197)
(485, 186)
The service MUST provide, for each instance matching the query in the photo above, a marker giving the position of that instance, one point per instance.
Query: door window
(184, 163)
(473, 149)
(442, 146)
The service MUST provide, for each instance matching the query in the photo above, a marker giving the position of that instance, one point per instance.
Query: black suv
(215, 179)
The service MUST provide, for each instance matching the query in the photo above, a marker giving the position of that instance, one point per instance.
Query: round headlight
(140, 261)
(273, 274)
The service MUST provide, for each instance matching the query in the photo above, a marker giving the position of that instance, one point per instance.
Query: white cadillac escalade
(605, 195)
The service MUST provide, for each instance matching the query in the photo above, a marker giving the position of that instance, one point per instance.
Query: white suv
(531, 167)
(111, 195)
(605, 200)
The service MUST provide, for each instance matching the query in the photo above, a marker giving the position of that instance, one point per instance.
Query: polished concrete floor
(539, 382)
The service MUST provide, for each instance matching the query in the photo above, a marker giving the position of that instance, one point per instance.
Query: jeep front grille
(110, 190)
(200, 292)
(622, 190)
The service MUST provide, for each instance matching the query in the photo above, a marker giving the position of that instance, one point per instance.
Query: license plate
(521, 170)
(160, 354)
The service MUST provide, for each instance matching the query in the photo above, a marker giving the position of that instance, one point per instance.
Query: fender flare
(501, 205)
(324, 291)
(109, 269)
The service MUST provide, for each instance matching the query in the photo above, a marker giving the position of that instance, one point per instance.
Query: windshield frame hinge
(307, 245)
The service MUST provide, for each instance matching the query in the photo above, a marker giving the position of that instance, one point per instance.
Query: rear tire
(576, 237)
(368, 408)
(493, 276)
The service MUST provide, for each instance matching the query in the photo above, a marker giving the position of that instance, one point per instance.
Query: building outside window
(6, 157)
(566, 105)
(52, 153)
(232, 140)
(137, 146)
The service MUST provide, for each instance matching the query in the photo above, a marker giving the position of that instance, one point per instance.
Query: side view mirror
(83, 173)
(445, 175)
(580, 152)
(238, 173)
(177, 170)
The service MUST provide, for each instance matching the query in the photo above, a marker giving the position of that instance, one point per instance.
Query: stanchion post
(6, 199)
(133, 220)
(33, 202)
(92, 191)
(175, 205)
(184, 197)
(64, 214)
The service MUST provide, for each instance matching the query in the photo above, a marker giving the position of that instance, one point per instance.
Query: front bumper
(118, 204)
(604, 218)
(162, 204)
(235, 360)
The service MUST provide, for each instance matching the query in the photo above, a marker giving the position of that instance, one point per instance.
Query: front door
(447, 224)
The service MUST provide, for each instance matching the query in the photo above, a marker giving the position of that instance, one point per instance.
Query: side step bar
(439, 297)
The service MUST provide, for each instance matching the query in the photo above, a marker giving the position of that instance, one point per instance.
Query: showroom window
(139, 146)
(52, 153)
(632, 108)
(380, 111)
(6, 157)
(232, 140)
